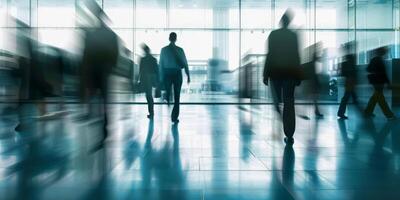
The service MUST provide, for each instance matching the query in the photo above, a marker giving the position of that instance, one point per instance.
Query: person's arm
(186, 67)
(141, 69)
(266, 63)
(161, 65)
(297, 58)
(296, 48)
(156, 70)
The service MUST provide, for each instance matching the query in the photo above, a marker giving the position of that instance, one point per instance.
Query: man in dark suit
(378, 78)
(172, 61)
(282, 68)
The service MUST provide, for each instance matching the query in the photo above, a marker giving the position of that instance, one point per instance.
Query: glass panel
(126, 36)
(60, 13)
(374, 14)
(331, 14)
(51, 36)
(151, 14)
(20, 9)
(253, 59)
(209, 32)
(120, 13)
(396, 23)
(256, 14)
(191, 14)
(369, 40)
(3, 13)
(233, 7)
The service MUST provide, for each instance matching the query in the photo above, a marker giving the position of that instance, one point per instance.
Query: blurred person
(100, 56)
(349, 72)
(282, 68)
(378, 78)
(172, 60)
(314, 78)
(33, 86)
(148, 77)
(53, 64)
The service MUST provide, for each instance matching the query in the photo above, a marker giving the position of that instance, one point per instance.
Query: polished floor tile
(215, 152)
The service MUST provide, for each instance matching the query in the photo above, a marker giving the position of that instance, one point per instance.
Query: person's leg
(356, 102)
(104, 98)
(371, 103)
(382, 102)
(315, 90)
(276, 91)
(177, 93)
(150, 101)
(167, 85)
(289, 117)
(316, 107)
(343, 104)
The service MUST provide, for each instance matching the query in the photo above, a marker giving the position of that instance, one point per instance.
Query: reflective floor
(215, 152)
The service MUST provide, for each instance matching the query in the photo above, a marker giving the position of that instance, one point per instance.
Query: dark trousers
(284, 90)
(148, 89)
(379, 98)
(173, 79)
(150, 101)
(345, 101)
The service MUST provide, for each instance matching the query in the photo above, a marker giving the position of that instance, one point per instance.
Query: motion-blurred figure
(100, 55)
(148, 77)
(172, 60)
(312, 76)
(282, 67)
(349, 72)
(32, 82)
(378, 78)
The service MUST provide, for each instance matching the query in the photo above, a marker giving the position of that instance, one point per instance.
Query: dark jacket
(283, 59)
(348, 67)
(101, 49)
(100, 55)
(148, 70)
(377, 71)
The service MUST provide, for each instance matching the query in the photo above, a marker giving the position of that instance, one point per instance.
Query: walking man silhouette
(172, 61)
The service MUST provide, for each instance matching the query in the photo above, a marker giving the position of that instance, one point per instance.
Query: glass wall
(224, 40)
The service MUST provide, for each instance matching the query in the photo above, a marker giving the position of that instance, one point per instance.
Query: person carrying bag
(148, 78)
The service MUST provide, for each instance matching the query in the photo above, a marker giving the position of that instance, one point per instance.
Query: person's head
(146, 49)
(172, 37)
(286, 18)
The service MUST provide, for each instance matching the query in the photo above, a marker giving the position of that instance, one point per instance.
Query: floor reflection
(215, 152)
